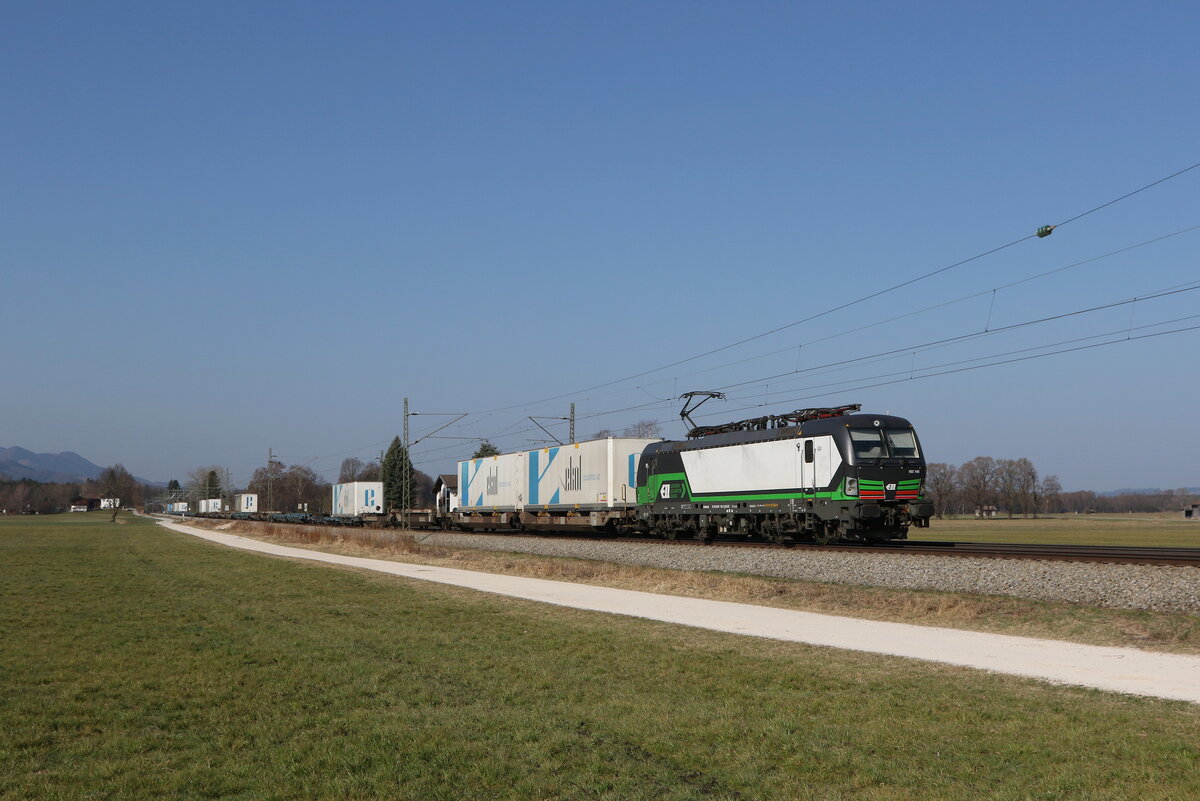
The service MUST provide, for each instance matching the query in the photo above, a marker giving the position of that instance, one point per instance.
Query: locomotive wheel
(825, 534)
(774, 532)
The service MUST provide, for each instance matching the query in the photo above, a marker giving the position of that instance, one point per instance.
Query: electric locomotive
(815, 474)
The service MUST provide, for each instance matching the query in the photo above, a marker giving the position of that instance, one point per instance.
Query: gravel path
(1175, 589)
(1123, 670)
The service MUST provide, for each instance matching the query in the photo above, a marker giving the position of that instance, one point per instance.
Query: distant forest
(281, 488)
(1012, 488)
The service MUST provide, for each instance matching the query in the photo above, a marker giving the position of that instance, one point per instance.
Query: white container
(358, 498)
(492, 484)
(180, 506)
(598, 474)
(245, 502)
(110, 503)
(208, 506)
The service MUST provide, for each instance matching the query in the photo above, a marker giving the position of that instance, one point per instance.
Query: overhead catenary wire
(850, 303)
(880, 355)
(513, 430)
(934, 307)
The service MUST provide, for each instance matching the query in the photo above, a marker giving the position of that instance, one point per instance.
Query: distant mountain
(67, 467)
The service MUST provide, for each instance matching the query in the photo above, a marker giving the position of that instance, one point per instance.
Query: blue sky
(229, 227)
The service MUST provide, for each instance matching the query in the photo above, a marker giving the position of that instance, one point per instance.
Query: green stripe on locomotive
(679, 490)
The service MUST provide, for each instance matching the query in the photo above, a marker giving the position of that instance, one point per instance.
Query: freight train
(819, 475)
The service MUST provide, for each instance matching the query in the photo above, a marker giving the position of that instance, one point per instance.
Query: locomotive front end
(884, 476)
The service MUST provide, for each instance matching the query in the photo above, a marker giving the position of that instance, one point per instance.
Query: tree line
(1012, 487)
(26, 496)
(288, 488)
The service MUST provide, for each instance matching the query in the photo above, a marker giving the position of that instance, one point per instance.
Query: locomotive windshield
(876, 443)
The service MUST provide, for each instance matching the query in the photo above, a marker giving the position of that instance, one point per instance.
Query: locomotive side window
(867, 443)
(901, 443)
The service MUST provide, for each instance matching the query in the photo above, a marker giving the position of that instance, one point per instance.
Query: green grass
(1135, 530)
(139, 663)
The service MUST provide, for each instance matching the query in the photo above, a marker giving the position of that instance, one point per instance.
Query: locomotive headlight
(852, 486)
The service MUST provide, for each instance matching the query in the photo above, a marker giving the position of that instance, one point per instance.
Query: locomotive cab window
(867, 443)
(873, 443)
(902, 443)
(808, 451)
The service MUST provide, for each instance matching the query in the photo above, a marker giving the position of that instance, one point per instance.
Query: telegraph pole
(405, 475)
(270, 458)
(407, 468)
(572, 424)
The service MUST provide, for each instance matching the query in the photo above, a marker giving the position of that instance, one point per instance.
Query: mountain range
(67, 467)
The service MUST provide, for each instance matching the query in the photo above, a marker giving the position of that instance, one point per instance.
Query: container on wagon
(245, 502)
(358, 498)
(492, 483)
(598, 474)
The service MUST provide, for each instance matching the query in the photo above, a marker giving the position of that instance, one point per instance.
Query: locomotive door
(808, 465)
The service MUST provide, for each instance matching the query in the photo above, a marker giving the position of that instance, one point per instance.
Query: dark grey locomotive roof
(809, 428)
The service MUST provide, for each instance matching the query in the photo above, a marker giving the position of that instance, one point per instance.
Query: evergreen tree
(395, 462)
(172, 484)
(486, 449)
(212, 485)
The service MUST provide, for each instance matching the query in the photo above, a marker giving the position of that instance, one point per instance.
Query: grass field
(139, 663)
(1136, 530)
(1153, 630)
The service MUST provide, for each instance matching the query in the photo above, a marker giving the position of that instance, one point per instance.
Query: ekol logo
(573, 475)
(493, 482)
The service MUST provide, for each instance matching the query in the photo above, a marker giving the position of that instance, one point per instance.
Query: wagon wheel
(705, 534)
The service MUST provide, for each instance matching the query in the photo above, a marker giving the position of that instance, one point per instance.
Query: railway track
(1111, 554)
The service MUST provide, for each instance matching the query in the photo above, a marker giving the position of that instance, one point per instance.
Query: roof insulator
(1045, 231)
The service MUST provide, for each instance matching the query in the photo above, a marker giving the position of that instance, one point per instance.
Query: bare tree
(977, 479)
(941, 483)
(1027, 486)
(350, 470)
(1008, 482)
(1048, 491)
(301, 489)
(603, 433)
(265, 483)
(642, 429)
(369, 472)
(117, 483)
